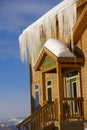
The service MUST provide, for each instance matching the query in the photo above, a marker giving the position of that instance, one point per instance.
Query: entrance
(73, 91)
(49, 91)
(72, 87)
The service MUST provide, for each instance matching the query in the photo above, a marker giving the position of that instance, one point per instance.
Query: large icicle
(66, 12)
(22, 45)
(67, 19)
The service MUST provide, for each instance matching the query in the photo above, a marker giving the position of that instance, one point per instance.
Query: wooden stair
(41, 119)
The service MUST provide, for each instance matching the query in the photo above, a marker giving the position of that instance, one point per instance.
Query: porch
(61, 89)
(46, 116)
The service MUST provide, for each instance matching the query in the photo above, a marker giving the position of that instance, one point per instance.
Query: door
(49, 91)
(72, 87)
(72, 92)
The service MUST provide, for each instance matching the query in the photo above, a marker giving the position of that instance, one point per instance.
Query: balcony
(73, 108)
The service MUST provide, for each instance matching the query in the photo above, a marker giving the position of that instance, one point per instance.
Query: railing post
(19, 127)
(75, 108)
(56, 109)
(26, 127)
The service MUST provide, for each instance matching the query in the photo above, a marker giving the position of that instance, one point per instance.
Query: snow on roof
(30, 40)
(58, 48)
(57, 9)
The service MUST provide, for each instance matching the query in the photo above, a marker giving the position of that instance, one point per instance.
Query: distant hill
(10, 124)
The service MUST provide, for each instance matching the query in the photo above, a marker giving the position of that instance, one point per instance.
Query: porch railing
(39, 119)
(73, 108)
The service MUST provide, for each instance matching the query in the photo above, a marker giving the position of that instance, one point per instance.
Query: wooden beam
(70, 66)
(59, 83)
(81, 2)
(71, 60)
(80, 25)
(48, 69)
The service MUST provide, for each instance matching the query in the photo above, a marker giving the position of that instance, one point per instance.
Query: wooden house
(57, 49)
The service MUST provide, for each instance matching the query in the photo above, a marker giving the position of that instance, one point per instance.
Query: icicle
(53, 26)
(48, 28)
(67, 19)
(33, 43)
(22, 45)
(60, 19)
(30, 39)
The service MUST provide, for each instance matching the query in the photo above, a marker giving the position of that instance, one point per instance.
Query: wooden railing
(73, 108)
(46, 115)
(39, 119)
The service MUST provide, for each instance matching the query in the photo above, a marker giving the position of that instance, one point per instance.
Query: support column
(60, 92)
(44, 88)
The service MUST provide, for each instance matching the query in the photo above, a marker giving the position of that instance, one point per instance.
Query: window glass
(48, 83)
(36, 97)
(36, 86)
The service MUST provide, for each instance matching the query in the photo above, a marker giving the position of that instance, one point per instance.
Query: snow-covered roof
(58, 48)
(54, 11)
(31, 41)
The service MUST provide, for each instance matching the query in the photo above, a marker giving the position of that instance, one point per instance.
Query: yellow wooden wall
(82, 44)
(36, 80)
(53, 78)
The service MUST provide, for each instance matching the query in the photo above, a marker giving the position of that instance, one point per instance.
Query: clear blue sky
(15, 16)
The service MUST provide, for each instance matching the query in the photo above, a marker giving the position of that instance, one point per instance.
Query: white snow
(12, 120)
(2, 125)
(30, 38)
(58, 48)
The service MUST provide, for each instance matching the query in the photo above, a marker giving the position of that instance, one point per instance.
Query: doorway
(73, 91)
(49, 91)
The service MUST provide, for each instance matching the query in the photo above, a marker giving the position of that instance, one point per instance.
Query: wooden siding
(82, 44)
(53, 78)
(37, 80)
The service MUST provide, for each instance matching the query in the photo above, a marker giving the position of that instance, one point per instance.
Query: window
(36, 97)
(48, 83)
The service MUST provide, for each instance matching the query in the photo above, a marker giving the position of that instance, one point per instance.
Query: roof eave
(70, 60)
(81, 2)
(81, 24)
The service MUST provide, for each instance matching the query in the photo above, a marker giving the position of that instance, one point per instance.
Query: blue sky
(15, 16)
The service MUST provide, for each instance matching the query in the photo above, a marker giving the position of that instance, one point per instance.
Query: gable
(47, 63)
(53, 50)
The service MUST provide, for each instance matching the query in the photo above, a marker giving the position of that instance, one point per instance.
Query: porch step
(72, 125)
